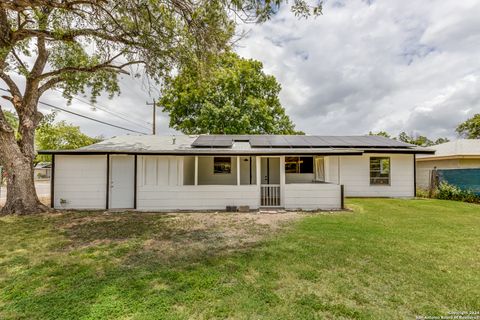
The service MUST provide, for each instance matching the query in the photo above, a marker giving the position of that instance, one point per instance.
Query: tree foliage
(80, 45)
(470, 129)
(380, 133)
(236, 97)
(52, 135)
(418, 140)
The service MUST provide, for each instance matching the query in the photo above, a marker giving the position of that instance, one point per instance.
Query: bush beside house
(446, 191)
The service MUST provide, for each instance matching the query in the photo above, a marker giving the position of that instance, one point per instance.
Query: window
(222, 165)
(379, 171)
(298, 164)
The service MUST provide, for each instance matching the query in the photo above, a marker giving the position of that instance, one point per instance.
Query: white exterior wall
(312, 196)
(245, 170)
(81, 180)
(197, 197)
(299, 177)
(355, 175)
(189, 170)
(160, 187)
(207, 177)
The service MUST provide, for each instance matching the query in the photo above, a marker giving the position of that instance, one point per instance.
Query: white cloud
(390, 65)
(383, 65)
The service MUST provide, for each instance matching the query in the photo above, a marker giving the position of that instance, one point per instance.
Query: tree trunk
(21, 194)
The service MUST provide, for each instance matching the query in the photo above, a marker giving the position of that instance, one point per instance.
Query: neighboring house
(42, 171)
(211, 172)
(460, 154)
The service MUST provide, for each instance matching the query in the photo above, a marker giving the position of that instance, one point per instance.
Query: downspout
(414, 175)
(250, 169)
(52, 183)
(107, 195)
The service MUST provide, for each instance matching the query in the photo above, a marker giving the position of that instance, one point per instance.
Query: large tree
(235, 97)
(51, 135)
(470, 129)
(79, 44)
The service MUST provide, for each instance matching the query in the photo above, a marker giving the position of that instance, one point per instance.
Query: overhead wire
(84, 116)
(117, 114)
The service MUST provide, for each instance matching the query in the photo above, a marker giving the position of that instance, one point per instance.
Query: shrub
(422, 193)
(449, 192)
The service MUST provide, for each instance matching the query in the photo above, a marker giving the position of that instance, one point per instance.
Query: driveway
(43, 190)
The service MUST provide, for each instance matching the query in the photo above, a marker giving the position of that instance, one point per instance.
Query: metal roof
(244, 145)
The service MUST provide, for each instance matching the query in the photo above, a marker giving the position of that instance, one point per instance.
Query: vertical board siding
(167, 192)
(80, 181)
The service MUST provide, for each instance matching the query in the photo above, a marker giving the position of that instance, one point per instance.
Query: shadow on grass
(115, 264)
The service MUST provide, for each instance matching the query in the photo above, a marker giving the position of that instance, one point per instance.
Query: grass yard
(388, 259)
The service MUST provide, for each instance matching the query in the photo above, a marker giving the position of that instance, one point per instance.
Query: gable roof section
(245, 145)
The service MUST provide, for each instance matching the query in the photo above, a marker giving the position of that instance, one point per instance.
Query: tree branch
(49, 84)
(41, 60)
(104, 66)
(12, 86)
(20, 5)
(19, 60)
(4, 125)
(70, 35)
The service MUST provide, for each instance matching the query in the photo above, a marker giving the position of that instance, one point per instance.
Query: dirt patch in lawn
(173, 236)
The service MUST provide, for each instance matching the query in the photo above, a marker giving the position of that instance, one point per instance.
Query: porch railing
(270, 195)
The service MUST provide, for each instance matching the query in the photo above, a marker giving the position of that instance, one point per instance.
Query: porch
(215, 182)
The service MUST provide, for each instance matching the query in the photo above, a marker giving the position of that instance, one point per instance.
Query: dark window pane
(298, 164)
(306, 164)
(379, 171)
(222, 165)
(291, 164)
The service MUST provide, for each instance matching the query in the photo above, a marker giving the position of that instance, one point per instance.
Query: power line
(83, 116)
(117, 114)
(86, 117)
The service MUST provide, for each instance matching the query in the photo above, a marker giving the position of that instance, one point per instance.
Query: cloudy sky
(389, 65)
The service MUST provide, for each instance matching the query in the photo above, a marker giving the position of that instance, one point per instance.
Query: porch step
(271, 210)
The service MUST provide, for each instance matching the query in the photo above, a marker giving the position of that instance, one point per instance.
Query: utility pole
(154, 129)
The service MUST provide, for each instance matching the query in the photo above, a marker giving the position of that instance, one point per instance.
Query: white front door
(122, 187)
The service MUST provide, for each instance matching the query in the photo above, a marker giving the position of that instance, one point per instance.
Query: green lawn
(388, 259)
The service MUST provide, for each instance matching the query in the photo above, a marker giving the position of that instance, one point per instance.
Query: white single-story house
(42, 171)
(459, 154)
(213, 172)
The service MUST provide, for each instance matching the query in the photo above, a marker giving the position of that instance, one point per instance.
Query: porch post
(258, 165)
(196, 170)
(282, 181)
(238, 170)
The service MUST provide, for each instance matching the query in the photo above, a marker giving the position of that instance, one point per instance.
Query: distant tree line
(418, 140)
(470, 129)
